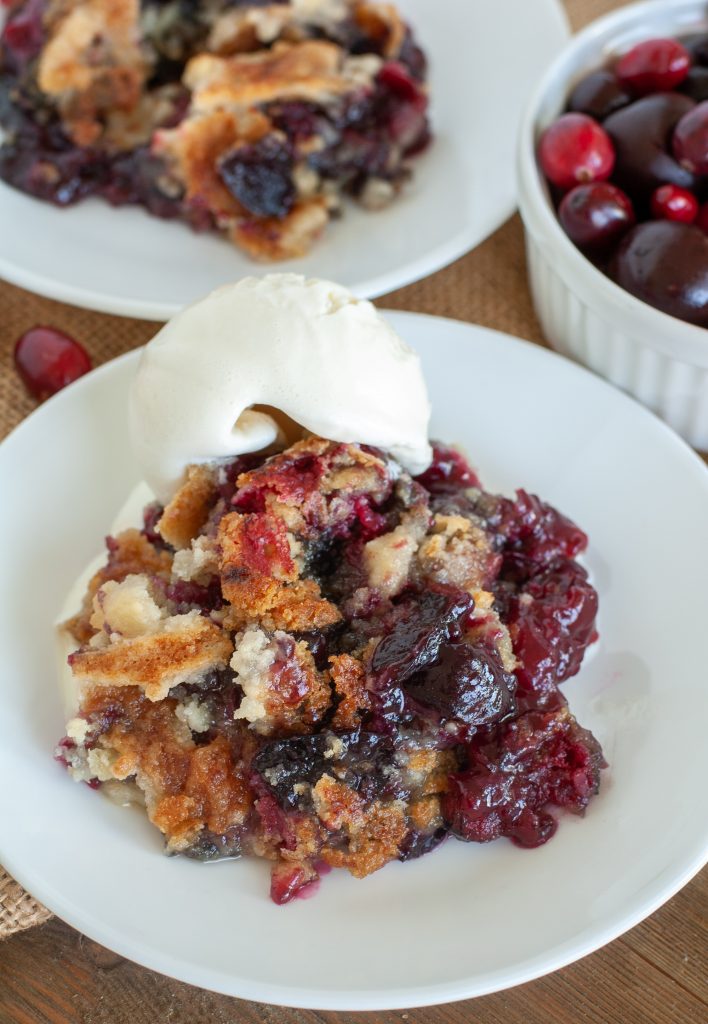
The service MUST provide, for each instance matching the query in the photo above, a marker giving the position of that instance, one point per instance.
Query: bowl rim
(645, 325)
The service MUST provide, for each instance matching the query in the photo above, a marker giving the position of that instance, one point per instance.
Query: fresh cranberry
(655, 65)
(598, 95)
(670, 202)
(690, 140)
(575, 149)
(595, 216)
(47, 360)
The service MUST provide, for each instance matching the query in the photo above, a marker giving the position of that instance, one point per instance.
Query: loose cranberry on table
(575, 149)
(47, 360)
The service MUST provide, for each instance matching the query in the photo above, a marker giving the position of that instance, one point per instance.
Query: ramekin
(658, 359)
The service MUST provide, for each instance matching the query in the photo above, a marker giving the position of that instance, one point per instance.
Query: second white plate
(484, 59)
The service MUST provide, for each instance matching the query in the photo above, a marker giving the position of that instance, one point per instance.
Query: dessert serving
(250, 119)
(628, 167)
(326, 644)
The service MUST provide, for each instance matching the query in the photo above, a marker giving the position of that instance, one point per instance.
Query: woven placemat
(487, 286)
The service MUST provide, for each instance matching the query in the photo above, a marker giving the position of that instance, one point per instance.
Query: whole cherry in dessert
(47, 360)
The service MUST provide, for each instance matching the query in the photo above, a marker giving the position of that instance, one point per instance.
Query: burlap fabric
(487, 286)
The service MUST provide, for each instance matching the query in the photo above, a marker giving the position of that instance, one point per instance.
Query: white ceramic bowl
(660, 360)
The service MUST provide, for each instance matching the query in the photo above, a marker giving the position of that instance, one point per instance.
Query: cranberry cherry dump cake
(251, 119)
(328, 653)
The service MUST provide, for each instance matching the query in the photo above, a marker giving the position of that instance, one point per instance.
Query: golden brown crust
(187, 787)
(159, 661)
(349, 679)
(284, 238)
(194, 148)
(93, 63)
(187, 513)
(259, 577)
(374, 833)
(131, 554)
(310, 71)
(383, 23)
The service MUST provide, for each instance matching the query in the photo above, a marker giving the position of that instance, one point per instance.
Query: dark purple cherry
(690, 140)
(665, 263)
(260, 176)
(641, 135)
(598, 95)
(695, 84)
(697, 46)
(595, 217)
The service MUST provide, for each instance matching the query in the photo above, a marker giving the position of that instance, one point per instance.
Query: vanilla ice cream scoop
(216, 380)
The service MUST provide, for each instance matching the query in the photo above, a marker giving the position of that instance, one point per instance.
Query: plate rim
(538, 966)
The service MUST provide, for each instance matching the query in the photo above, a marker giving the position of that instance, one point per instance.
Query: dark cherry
(672, 203)
(666, 264)
(431, 620)
(363, 761)
(690, 140)
(466, 684)
(695, 84)
(654, 65)
(697, 46)
(448, 471)
(595, 217)
(574, 149)
(641, 135)
(47, 360)
(260, 176)
(552, 620)
(598, 95)
(538, 759)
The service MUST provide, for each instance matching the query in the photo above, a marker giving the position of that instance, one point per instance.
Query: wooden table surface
(655, 974)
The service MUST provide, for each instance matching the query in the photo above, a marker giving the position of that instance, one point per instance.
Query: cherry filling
(445, 738)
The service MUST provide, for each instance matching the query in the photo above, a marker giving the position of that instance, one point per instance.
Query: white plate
(485, 57)
(467, 919)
